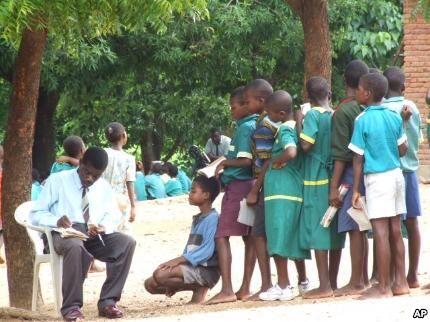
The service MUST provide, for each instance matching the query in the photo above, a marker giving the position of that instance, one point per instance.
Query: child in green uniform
(315, 140)
(283, 197)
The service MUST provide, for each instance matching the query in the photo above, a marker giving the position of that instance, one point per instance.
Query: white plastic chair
(22, 217)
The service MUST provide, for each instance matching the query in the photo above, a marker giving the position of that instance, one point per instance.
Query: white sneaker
(276, 293)
(304, 287)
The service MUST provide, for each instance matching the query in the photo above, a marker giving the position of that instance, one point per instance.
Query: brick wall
(417, 65)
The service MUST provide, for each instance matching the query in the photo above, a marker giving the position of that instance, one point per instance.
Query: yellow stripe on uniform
(315, 183)
(307, 138)
(285, 197)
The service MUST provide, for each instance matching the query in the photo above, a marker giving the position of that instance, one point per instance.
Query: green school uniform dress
(316, 173)
(283, 199)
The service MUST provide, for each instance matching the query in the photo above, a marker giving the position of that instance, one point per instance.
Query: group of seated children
(164, 180)
(289, 167)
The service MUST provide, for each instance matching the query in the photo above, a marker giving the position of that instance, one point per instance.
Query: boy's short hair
(210, 185)
(96, 157)
(170, 169)
(238, 94)
(318, 88)
(157, 167)
(261, 87)
(114, 131)
(215, 130)
(353, 71)
(73, 146)
(375, 83)
(280, 101)
(396, 78)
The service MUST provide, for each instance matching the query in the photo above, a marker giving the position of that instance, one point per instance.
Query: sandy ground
(161, 232)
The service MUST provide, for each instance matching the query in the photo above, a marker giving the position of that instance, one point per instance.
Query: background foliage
(174, 78)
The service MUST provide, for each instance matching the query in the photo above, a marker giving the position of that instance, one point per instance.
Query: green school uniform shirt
(240, 147)
(173, 187)
(343, 127)
(63, 166)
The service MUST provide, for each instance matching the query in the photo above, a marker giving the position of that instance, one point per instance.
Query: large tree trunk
(151, 146)
(44, 135)
(17, 165)
(314, 17)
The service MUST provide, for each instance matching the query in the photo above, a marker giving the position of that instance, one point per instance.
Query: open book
(360, 216)
(70, 232)
(209, 171)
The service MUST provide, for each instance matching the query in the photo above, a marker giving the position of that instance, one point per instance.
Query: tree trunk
(147, 150)
(44, 135)
(17, 165)
(314, 17)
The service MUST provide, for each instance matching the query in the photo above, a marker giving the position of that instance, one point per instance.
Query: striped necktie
(85, 205)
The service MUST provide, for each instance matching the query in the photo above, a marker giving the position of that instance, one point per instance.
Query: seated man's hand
(94, 230)
(64, 222)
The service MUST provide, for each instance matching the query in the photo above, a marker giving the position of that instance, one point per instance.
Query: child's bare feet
(318, 293)
(413, 281)
(375, 292)
(373, 281)
(222, 298)
(426, 287)
(199, 295)
(400, 289)
(350, 289)
(243, 294)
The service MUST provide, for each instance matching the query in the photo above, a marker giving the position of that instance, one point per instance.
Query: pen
(101, 239)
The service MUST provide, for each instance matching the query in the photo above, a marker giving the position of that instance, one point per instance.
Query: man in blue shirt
(197, 268)
(378, 141)
(79, 199)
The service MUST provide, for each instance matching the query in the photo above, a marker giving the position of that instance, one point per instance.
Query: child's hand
(220, 167)
(252, 198)
(132, 214)
(278, 164)
(406, 113)
(334, 199)
(356, 200)
(169, 265)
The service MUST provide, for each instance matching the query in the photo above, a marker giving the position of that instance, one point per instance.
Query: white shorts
(385, 194)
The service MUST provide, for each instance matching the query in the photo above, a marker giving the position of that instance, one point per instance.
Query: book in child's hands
(360, 216)
(70, 232)
(209, 171)
(246, 214)
(331, 211)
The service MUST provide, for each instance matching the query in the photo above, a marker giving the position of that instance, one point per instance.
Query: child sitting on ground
(283, 198)
(74, 149)
(139, 184)
(409, 163)
(153, 182)
(378, 142)
(184, 180)
(173, 186)
(315, 141)
(36, 187)
(121, 172)
(238, 180)
(197, 269)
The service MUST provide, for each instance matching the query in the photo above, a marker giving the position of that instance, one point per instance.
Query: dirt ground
(161, 232)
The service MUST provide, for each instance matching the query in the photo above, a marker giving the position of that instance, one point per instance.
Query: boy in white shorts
(378, 142)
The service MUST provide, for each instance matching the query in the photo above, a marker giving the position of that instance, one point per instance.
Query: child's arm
(252, 197)
(67, 159)
(306, 141)
(339, 167)
(236, 163)
(289, 154)
(131, 196)
(357, 164)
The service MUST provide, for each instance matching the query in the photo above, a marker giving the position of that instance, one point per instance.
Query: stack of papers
(70, 233)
